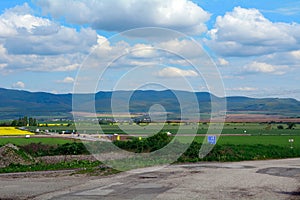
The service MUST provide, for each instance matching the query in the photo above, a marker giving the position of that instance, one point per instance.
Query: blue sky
(46, 45)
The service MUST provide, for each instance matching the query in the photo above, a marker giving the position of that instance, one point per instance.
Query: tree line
(22, 121)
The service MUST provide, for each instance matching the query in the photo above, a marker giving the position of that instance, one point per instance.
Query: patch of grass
(100, 170)
(80, 164)
(26, 141)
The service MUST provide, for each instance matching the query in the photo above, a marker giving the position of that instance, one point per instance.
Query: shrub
(150, 144)
(280, 127)
(39, 149)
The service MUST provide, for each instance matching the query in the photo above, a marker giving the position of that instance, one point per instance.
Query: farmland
(12, 131)
(238, 133)
(187, 128)
(238, 141)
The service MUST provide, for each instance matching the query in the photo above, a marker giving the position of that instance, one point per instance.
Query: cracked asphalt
(268, 179)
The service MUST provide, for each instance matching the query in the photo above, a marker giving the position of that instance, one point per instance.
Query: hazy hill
(15, 103)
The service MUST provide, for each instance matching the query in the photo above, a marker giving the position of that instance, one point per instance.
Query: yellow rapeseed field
(53, 125)
(8, 131)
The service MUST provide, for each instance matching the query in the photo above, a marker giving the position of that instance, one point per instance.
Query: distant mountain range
(16, 103)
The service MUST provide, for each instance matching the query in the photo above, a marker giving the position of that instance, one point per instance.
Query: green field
(189, 128)
(253, 140)
(261, 133)
(236, 140)
(25, 141)
(247, 141)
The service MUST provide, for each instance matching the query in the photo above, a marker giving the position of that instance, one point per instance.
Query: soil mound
(11, 154)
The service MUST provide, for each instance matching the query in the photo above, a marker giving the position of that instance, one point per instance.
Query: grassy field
(25, 141)
(253, 140)
(236, 140)
(229, 128)
(261, 133)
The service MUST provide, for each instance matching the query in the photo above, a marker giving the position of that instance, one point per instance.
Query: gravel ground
(58, 159)
(272, 179)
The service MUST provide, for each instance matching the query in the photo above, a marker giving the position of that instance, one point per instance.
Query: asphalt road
(272, 179)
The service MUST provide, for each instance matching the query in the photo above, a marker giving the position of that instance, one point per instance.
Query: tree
(291, 125)
(32, 121)
(24, 121)
(14, 123)
(280, 127)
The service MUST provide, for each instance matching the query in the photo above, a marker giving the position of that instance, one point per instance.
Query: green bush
(149, 144)
(39, 149)
(74, 148)
(280, 127)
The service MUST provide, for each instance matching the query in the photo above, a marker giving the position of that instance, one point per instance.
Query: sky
(232, 47)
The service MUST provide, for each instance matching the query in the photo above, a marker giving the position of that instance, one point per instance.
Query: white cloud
(119, 15)
(41, 63)
(3, 65)
(33, 43)
(125, 54)
(19, 85)
(24, 33)
(290, 58)
(222, 61)
(296, 54)
(183, 48)
(243, 89)
(65, 40)
(292, 9)
(71, 67)
(260, 67)
(18, 21)
(176, 72)
(143, 51)
(246, 32)
(68, 79)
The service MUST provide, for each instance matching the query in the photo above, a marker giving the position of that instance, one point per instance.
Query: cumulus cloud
(66, 40)
(41, 63)
(34, 43)
(171, 72)
(260, 67)
(24, 33)
(184, 48)
(246, 32)
(290, 58)
(119, 15)
(143, 51)
(67, 79)
(128, 54)
(19, 85)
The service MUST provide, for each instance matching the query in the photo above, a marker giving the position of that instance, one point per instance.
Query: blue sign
(212, 139)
